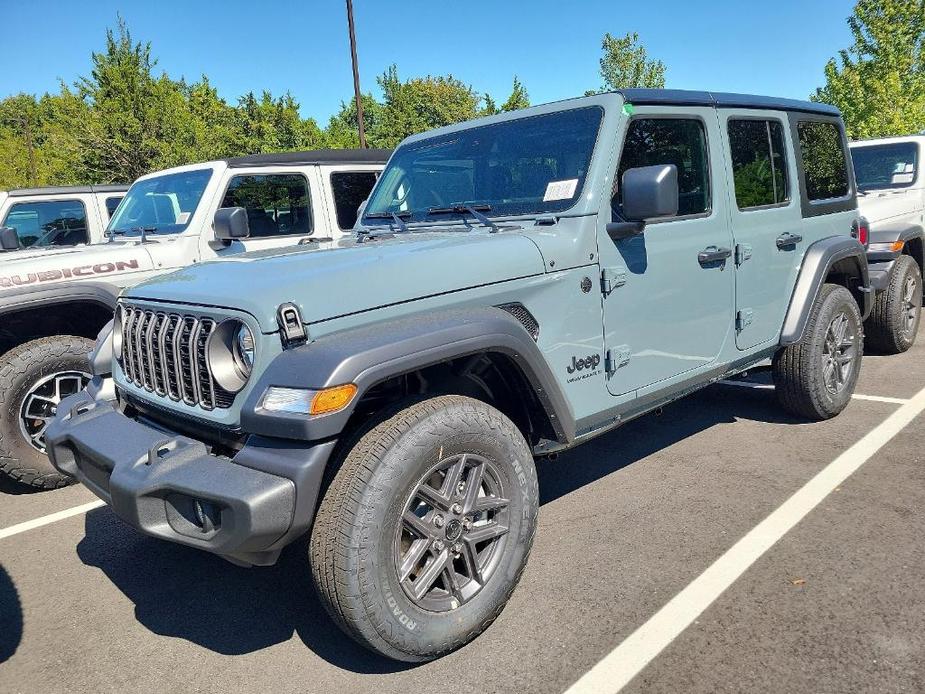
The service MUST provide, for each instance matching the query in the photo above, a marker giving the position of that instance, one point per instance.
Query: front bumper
(245, 508)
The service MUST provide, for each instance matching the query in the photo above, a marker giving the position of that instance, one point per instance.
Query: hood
(888, 205)
(347, 276)
(103, 261)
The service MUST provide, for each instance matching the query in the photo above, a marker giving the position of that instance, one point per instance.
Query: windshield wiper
(394, 216)
(144, 231)
(462, 207)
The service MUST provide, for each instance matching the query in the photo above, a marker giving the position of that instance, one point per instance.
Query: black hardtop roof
(70, 190)
(316, 156)
(683, 97)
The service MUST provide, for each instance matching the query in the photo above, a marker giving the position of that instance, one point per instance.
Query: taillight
(860, 230)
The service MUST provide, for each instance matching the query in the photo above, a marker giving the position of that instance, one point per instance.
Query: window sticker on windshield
(560, 190)
(183, 218)
(903, 178)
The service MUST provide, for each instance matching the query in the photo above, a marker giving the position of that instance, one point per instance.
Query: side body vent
(524, 317)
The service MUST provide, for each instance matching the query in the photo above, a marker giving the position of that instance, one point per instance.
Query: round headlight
(117, 334)
(231, 350)
(244, 350)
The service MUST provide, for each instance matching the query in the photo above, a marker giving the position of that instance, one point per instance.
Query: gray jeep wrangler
(517, 285)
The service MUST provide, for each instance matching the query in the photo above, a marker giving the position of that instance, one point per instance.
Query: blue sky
(777, 49)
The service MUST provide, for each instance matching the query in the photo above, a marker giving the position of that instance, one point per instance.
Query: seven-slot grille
(165, 353)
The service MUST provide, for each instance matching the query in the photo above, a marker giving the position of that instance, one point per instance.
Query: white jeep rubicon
(53, 304)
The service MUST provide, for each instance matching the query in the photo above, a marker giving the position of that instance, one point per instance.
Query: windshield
(525, 166)
(892, 165)
(163, 204)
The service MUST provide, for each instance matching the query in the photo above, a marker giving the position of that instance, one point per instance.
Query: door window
(350, 189)
(276, 204)
(58, 223)
(759, 167)
(678, 141)
(824, 162)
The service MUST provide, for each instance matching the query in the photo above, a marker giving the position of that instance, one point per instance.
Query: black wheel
(34, 378)
(426, 527)
(815, 378)
(894, 321)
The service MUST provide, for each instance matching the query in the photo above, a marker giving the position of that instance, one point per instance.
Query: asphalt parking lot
(823, 597)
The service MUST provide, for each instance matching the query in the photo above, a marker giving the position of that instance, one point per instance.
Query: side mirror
(649, 192)
(231, 223)
(9, 239)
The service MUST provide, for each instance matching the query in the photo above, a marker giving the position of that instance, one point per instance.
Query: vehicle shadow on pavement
(231, 610)
(185, 593)
(653, 432)
(8, 486)
(11, 620)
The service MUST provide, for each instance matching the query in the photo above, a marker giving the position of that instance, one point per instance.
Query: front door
(669, 308)
(280, 208)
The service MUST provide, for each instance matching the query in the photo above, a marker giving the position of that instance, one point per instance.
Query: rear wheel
(894, 320)
(815, 378)
(426, 527)
(34, 378)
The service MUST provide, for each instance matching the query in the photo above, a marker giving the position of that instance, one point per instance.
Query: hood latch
(291, 330)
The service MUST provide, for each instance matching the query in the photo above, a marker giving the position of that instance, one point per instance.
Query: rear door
(765, 218)
(669, 309)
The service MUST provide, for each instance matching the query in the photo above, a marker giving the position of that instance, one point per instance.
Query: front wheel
(894, 320)
(34, 378)
(426, 527)
(815, 378)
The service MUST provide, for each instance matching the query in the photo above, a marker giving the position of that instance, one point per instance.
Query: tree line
(125, 119)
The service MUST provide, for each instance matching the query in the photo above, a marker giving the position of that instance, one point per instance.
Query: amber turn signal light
(332, 399)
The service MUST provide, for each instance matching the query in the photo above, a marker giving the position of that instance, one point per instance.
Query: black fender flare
(101, 293)
(818, 261)
(373, 353)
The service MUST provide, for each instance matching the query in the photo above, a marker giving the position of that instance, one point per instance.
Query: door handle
(787, 240)
(712, 254)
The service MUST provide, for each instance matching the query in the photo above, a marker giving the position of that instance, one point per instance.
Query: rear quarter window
(824, 163)
(350, 189)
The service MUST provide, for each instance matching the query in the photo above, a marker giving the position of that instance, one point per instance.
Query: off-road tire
(886, 329)
(351, 546)
(798, 368)
(20, 369)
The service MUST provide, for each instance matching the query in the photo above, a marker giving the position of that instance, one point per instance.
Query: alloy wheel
(452, 532)
(910, 307)
(40, 405)
(838, 353)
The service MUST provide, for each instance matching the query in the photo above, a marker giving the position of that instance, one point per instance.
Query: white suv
(53, 303)
(52, 217)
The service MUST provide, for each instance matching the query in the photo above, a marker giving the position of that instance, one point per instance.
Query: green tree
(421, 103)
(126, 121)
(519, 98)
(626, 64)
(271, 124)
(342, 132)
(878, 82)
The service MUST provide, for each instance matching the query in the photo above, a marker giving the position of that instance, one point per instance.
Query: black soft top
(70, 190)
(315, 156)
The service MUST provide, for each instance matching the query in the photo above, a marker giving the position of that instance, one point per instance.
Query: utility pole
(356, 74)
